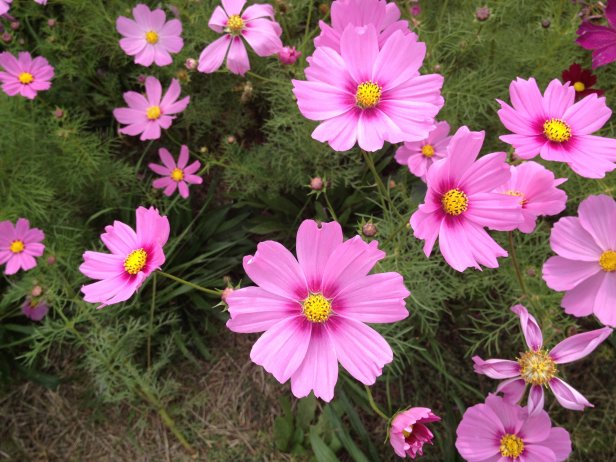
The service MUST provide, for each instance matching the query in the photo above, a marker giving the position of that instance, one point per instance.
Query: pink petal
(398, 60)
(162, 56)
(258, 11)
(327, 66)
(218, 21)
(536, 453)
(562, 274)
(134, 46)
(340, 131)
(12, 265)
(567, 396)
(558, 98)
(496, 368)
(496, 211)
(34, 249)
(183, 188)
(578, 346)
(590, 156)
(580, 301)
(484, 175)
(153, 90)
(359, 48)
(129, 116)
(192, 168)
(167, 158)
(120, 238)
(587, 115)
(559, 442)
(598, 217)
(604, 307)
(512, 389)
(536, 399)
(152, 228)
(171, 96)
(530, 328)
(262, 37)
(526, 147)
(516, 121)
(164, 182)
(253, 309)
(237, 58)
(463, 151)
(193, 179)
(571, 241)
(507, 413)
(99, 265)
(233, 6)
(426, 225)
(151, 132)
(321, 101)
(159, 169)
(183, 159)
(136, 101)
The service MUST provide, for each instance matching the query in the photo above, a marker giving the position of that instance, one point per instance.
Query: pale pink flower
(313, 309)
(134, 256)
(23, 75)
(35, 310)
(409, 432)
(418, 156)
(585, 267)
(175, 175)
(150, 37)
(558, 128)
(369, 95)
(256, 25)
(460, 203)
(536, 188)
(19, 245)
(288, 55)
(147, 114)
(5, 5)
(538, 367)
(499, 431)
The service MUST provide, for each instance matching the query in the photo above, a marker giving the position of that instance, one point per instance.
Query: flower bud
(225, 293)
(316, 184)
(36, 291)
(288, 55)
(191, 64)
(482, 13)
(369, 230)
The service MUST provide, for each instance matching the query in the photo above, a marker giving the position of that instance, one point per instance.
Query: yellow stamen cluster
(511, 446)
(556, 130)
(177, 174)
(523, 201)
(368, 94)
(26, 78)
(235, 24)
(17, 246)
(537, 367)
(135, 261)
(151, 37)
(317, 308)
(153, 112)
(427, 150)
(608, 261)
(579, 86)
(454, 202)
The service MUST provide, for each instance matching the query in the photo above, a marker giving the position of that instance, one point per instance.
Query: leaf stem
(373, 405)
(216, 292)
(516, 265)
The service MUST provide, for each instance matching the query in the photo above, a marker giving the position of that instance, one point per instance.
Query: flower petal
(314, 245)
(254, 309)
(496, 368)
(579, 346)
(567, 396)
(530, 328)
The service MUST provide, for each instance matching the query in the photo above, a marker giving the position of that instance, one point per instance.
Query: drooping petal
(567, 396)
(536, 399)
(530, 328)
(512, 389)
(496, 368)
(578, 346)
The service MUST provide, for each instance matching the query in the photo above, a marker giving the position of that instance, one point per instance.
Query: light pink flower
(19, 245)
(175, 176)
(369, 95)
(134, 256)
(313, 309)
(256, 25)
(460, 202)
(536, 188)
(538, 368)
(150, 37)
(409, 432)
(498, 431)
(557, 128)
(418, 156)
(585, 267)
(41, 2)
(5, 5)
(146, 115)
(23, 75)
(288, 55)
(34, 310)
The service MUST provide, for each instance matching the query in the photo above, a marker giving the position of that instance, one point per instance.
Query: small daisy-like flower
(23, 75)
(34, 309)
(150, 38)
(19, 245)
(175, 176)
(582, 81)
(600, 39)
(408, 432)
(147, 114)
(418, 156)
(288, 55)
(538, 368)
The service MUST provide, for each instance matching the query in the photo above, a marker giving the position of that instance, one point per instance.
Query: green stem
(377, 178)
(329, 206)
(373, 405)
(516, 265)
(152, 305)
(257, 76)
(216, 292)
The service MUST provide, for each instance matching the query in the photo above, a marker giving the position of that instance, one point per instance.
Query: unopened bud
(225, 293)
(191, 64)
(58, 113)
(6, 37)
(52, 22)
(230, 139)
(482, 13)
(545, 23)
(323, 9)
(15, 25)
(316, 184)
(51, 260)
(36, 291)
(369, 230)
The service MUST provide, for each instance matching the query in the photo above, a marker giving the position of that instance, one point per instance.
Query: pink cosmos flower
(288, 55)
(420, 155)
(600, 39)
(585, 267)
(19, 245)
(34, 310)
(134, 255)
(256, 25)
(536, 188)
(41, 2)
(409, 432)
(498, 431)
(369, 95)
(557, 128)
(150, 37)
(313, 309)
(23, 75)
(460, 202)
(5, 5)
(176, 176)
(146, 115)
(539, 368)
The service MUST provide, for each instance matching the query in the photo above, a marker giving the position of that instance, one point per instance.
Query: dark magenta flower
(582, 80)
(600, 39)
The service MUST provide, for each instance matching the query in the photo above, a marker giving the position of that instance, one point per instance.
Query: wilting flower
(34, 309)
(418, 156)
(150, 38)
(369, 95)
(313, 309)
(498, 431)
(288, 55)
(582, 81)
(23, 75)
(256, 25)
(5, 5)
(409, 432)
(558, 129)
(134, 256)
(537, 190)
(600, 39)
(175, 176)
(146, 115)
(19, 245)
(460, 202)
(585, 267)
(538, 368)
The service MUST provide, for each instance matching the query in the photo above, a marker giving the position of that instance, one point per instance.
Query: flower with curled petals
(409, 433)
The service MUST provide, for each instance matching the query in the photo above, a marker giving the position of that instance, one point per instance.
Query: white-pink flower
(418, 156)
(175, 175)
(5, 5)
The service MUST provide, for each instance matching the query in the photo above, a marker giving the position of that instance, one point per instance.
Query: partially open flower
(409, 432)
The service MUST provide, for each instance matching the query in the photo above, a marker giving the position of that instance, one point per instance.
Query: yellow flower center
(579, 86)
(317, 308)
(368, 94)
(556, 130)
(177, 174)
(153, 112)
(17, 246)
(235, 24)
(135, 261)
(511, 446)
(608, 261)
(26, 78)
(454, 202)
(406, 434)
(537, 367)
(151, 37)
(427, 150)
(523, 201)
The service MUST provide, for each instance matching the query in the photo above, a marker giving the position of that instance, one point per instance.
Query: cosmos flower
(600, 39)
(408, 432)
(581, 80)
(313, 309)
(19, 245)
(5, 5)
(255, 25)
(460, 203)
(146, 115)
(175, 176)
(498, 431)
(150, 37)
(538, 368)
(288, 55)
(23, 75)
(369, 95)
(35, 310)
(585, 267)
(134, 256)
(558, 129)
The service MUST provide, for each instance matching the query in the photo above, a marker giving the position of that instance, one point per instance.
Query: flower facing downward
(288, 55)
(409, 432)
(312, 309)
(23, 75)
(134, 256)
(581, 80)
(600, 39)
(538, 368)
(420, 155)
(19, 245)
(35, 310)
(176, 175)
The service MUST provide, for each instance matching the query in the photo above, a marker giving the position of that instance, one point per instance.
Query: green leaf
(282, 433)
(305, 411)
(322, 452)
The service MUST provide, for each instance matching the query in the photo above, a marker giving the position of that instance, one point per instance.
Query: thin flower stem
(373, 405)
(152, 306)
(216, 292)
(257, 76)
(516, 265)
(329, 206)
(377, 178)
